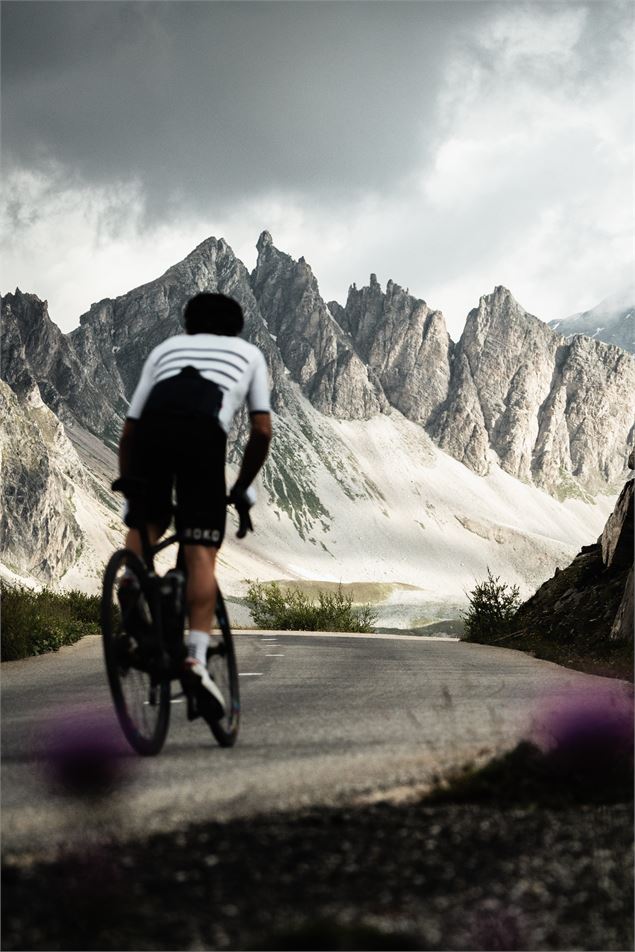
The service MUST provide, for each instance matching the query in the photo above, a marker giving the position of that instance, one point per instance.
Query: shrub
(492, 606)
(36, 622)
(285, 610)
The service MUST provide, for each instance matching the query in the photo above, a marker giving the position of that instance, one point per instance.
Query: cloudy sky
(450, 146)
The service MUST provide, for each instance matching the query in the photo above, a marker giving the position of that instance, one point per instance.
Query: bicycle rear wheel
(139, 686)
(221, 664)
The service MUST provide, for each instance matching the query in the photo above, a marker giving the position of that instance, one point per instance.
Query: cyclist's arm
(125, 446)
(260, 417)
(256, 449)
(139, 398)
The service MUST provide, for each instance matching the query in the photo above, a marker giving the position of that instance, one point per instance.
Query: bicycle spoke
(142, 703)
(221, 664)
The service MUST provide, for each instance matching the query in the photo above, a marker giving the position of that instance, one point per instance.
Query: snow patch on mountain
(422, 518)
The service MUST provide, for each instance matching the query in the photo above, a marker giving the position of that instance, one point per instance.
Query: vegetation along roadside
(284, 609)
(36, 622)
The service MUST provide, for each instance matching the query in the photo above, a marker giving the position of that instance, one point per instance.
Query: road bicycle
(143, 623)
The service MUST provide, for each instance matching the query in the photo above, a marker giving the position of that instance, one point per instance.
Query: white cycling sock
(197, 644)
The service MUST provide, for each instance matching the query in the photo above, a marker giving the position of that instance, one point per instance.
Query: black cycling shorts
(185, 454)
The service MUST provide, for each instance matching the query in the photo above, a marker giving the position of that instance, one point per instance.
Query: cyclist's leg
(201, 585)
(200, 521)
(200, 562)
(154, 529)
(207, 697)
(152, 463)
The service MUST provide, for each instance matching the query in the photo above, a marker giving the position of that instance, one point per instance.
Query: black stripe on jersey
(194, 352)
(181, 362)
(171, 372)
(167, 358)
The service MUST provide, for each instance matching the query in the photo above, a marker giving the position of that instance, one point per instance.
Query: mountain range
(399, 456)
(612, 320)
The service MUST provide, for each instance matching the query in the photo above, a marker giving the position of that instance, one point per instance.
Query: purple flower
(588, 732)
(85, 752)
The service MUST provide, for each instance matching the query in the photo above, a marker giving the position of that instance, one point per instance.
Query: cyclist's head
(208, 313)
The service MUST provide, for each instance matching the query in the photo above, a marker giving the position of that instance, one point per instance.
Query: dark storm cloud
(206, 103)
(449, 145)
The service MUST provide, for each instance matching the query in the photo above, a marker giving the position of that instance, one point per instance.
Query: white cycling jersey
(235, 365)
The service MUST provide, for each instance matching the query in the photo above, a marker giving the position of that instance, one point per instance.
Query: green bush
(493, 604)
(36, 622)
(292, 610)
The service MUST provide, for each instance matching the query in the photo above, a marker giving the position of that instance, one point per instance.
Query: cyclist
(175, 435)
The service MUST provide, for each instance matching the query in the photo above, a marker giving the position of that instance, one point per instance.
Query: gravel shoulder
(384, 876)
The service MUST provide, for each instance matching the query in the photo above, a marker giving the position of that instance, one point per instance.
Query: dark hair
(208, 313)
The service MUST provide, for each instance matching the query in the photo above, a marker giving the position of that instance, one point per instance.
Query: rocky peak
(404, 342)
(501, 376)
(16, 312)
(89, 374)
(27, 318)
(315, 349)
(34, 351)
(264, 241)
(498, 313)
(552, 412)
(116, 335)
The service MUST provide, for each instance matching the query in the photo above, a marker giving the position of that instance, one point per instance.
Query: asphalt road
(326, 719)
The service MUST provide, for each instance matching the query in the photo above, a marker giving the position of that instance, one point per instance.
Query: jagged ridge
(511, 393)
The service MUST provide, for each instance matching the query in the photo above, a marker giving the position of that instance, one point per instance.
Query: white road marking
(274, 656)
(250, 674)
(422, 639)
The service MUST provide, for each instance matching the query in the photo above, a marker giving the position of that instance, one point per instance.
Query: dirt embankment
(583, 616)
(450, 876)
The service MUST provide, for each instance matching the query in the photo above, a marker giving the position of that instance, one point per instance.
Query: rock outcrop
(404, 342)
(616, 541)
(622, 627)
(584, 613)
(39, 534)
(555, 412)
(36, 353)
(314, 348)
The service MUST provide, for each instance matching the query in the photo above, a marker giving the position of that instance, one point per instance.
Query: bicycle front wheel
(221, 664)
(139, 686)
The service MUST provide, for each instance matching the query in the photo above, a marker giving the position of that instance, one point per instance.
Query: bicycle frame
(132, 487)
(149, 550)
(164, 660)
